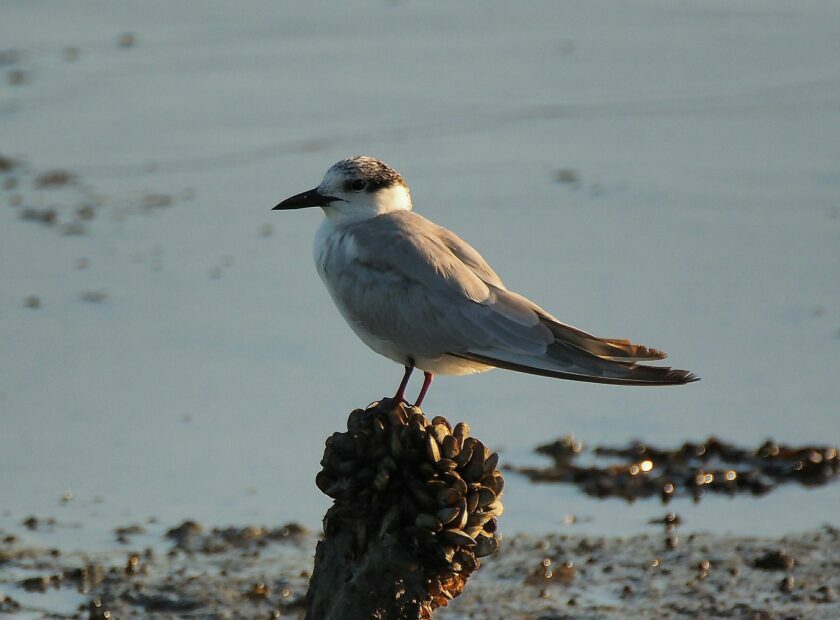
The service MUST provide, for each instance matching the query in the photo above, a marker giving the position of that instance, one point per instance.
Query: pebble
(16, 77)
(132, 565)
(54, 178)
(567, 176)
(183, 532)
(31, 523)
(127, 40)
(787, 584)
(95, 297)
(775, 560)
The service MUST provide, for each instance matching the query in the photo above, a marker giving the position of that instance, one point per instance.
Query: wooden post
(415, 506)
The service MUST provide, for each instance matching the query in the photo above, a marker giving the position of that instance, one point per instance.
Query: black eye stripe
(367, 185)
(357, 185)
(375, 174)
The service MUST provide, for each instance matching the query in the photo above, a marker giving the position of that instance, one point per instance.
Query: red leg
(427, 381)
(400, 395)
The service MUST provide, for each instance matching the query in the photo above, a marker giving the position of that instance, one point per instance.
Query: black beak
(307, 199)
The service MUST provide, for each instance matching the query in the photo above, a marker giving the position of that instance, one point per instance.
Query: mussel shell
(428, 522)
(432, 449)
(397, 415)
(439, 419)
(440, 432)
(485, 497)
(356, 421)
(458, 538)
(428, 480)
(491, 463)
(474, 470)
(448, 514)
(394, 443)
(380, 481)
(494, 481)
(436, 486)
(377, 426)
(463, 515)
(485, 545)
(426, 470)
(464, 456)
(343, 442)
(478, 519)
(496, 509)
(472, 501)
(420, 495)
(345, 468)
(471, 442)
(323, 481)
(444, 465)
(448, 497)
(387, 462)
(417, 432)
(461, 431)
(450, 447)
(473, 530)
(456, 482)
(446, 553)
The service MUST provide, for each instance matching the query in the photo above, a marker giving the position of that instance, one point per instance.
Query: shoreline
(259, 572)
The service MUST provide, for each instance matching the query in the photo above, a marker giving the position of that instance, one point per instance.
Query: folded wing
(452, 303)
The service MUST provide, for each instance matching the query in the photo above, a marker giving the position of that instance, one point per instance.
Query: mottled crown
(376, 174)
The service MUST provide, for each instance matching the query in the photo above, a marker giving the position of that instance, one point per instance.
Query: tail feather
(608, 348)
(607, 371)
(631, 351)
(577, 355)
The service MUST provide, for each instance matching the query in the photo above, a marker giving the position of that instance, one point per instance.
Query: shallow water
(705, 221)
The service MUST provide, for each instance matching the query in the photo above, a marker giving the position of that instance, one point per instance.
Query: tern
(421, 296)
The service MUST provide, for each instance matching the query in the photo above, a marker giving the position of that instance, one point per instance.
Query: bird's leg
(400, 395)
(427, 381)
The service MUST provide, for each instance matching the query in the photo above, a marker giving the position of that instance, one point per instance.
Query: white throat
(364, 206)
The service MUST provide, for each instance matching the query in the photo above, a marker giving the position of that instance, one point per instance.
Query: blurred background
(666, 172)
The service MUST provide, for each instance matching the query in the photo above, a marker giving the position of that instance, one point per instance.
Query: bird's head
(354, 189)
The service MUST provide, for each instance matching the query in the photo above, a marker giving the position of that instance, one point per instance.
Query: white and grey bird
(418, 294)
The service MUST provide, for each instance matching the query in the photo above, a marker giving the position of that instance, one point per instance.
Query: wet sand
(255, 572)
(683, 195)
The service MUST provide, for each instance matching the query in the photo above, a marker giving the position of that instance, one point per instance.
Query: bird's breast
(334, 249)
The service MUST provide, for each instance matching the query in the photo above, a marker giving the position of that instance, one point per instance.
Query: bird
(421, 296)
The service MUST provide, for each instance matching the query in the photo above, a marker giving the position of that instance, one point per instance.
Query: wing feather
(452, 303)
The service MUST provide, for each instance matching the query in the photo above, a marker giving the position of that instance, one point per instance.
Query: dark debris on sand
(233, 572)
(259, 572)
(641, 470)
(63, 200)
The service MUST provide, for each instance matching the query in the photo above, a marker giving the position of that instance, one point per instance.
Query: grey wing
(612, 348)
(450, 301)
(511, 305)
(405, 285)
(469, 256)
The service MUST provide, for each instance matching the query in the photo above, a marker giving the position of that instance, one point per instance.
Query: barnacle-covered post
(415, 506)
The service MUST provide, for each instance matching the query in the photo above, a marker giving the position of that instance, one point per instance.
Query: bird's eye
(358, 185)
